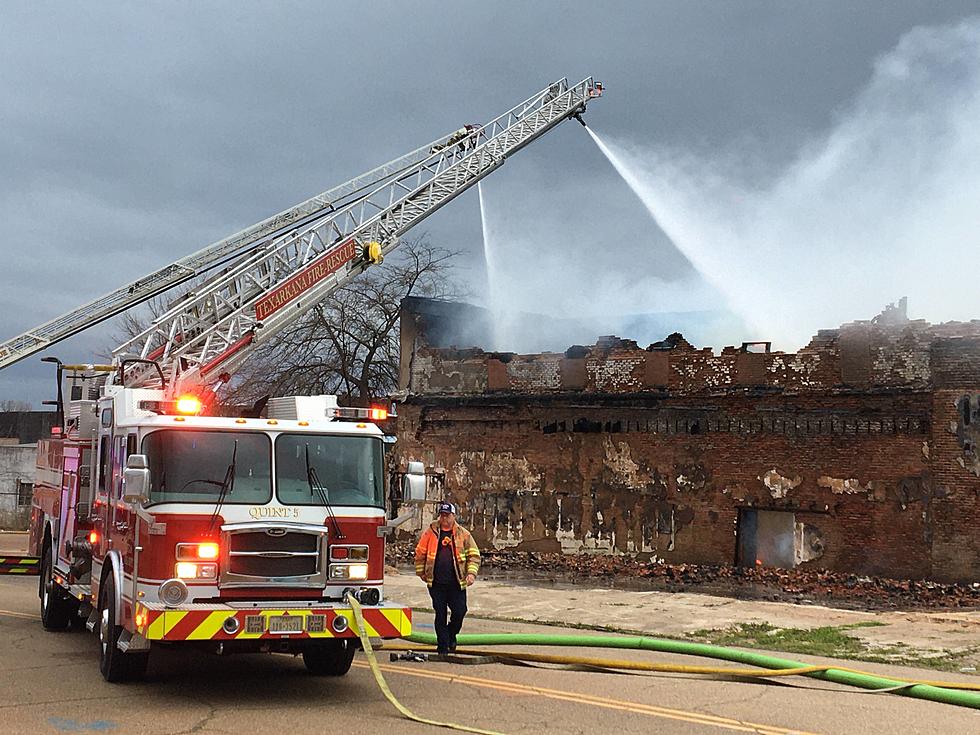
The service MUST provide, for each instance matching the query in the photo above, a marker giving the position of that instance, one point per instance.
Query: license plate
(286, 624)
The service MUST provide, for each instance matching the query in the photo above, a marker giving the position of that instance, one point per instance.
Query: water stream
(880, 204)
(493, 293)
(641, 187)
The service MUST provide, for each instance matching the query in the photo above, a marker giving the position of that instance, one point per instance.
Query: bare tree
(135, 321)
(348, 344)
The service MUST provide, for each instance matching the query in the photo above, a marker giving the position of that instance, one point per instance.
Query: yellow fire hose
(963, 694)
(361, 631)
(614, 665)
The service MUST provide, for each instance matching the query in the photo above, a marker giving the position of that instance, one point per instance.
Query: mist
(569, 259)
(882, 205)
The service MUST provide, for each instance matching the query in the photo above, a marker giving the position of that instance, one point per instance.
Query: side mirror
(414, 483)
(136, 479)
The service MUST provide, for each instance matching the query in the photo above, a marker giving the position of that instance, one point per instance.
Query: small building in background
(19, 434)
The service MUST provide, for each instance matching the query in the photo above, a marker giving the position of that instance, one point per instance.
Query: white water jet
(493, 294)
(882, 205)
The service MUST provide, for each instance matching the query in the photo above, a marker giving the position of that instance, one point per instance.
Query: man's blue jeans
(451, 598)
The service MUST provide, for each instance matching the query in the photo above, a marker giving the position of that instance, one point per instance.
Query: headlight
(348, 571)
(191, 552)
(190, 570)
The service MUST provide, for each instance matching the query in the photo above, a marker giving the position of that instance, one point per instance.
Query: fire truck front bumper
(218, 622)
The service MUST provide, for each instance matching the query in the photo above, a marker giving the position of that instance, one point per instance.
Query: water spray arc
(657, 212)
(493, 292)
(878, 205)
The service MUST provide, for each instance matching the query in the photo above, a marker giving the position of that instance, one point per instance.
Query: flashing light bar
(185, 405)
(375, 413)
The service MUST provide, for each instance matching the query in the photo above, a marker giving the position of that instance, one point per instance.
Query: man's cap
(446, 508)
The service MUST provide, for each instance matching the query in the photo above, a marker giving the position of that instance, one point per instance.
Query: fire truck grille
(262, 555)
(275, 566)
(261, 541)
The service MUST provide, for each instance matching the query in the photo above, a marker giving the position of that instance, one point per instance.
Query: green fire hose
(850, 677)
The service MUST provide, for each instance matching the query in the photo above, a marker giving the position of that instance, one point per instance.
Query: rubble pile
(801, 585)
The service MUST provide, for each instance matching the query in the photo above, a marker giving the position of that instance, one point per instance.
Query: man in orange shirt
(447, 559)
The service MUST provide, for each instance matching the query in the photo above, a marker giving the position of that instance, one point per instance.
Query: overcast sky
(133, 135)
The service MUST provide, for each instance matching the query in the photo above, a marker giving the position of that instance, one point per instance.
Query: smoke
(568, 260)
(882, 205)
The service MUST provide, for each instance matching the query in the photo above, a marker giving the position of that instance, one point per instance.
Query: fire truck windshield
(349, 469)
(190, 466)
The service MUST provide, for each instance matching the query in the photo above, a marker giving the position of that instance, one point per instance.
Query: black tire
(57, 608)
(331, 658)
(115, 665)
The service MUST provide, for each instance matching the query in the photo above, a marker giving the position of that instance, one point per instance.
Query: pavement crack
(201, 723)
(712, 709)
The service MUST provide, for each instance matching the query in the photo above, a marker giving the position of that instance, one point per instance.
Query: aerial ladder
(276, 270)
(137, 521)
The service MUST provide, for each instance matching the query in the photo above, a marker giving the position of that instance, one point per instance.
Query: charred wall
(863, 446)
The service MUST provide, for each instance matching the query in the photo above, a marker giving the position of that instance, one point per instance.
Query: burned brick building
(857, 453)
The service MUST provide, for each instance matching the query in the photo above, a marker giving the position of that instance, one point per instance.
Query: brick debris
(800, 585)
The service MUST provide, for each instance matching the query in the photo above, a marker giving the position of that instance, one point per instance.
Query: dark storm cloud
(130, 136)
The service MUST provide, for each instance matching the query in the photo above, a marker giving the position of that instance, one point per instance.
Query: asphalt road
(49, 683)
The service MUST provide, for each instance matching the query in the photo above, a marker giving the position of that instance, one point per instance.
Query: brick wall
(869, 436)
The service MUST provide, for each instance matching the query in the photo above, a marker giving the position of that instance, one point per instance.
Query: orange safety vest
(466, 553)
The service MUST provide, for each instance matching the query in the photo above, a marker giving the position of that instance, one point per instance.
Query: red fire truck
(158, 522)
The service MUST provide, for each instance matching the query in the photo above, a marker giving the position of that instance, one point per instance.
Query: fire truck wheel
(332, 658)
(57, 608)
(115, 665)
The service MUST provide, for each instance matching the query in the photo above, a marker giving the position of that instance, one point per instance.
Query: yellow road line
(562, 695)
(13, 614)
(568, 696)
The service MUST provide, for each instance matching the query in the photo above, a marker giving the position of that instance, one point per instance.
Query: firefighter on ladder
(465, 137)
(447, 559)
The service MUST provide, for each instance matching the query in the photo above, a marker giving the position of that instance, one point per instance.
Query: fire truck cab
(155, 523)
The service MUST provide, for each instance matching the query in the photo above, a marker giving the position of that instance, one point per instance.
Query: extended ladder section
(212, 256)
(210, 331)
(279, 268)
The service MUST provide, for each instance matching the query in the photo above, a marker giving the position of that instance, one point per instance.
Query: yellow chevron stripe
(400, 620)
(155, 631)
(171, 618)
(210, 626)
